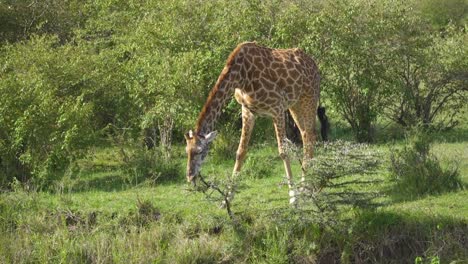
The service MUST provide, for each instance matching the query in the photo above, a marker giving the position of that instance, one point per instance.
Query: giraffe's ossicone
(265, 82)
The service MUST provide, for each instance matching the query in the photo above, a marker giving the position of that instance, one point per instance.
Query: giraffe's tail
(324, 124)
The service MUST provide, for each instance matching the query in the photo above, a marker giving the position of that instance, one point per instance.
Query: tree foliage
(428, 72)
(45, 108)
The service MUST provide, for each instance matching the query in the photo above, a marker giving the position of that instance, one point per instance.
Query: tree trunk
(165, 133)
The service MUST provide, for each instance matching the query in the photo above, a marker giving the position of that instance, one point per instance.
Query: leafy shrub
(418, 172)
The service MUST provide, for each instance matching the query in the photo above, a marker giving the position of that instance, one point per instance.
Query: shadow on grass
(368, 236)
(389, 237)
(455, 135)
(397, 196)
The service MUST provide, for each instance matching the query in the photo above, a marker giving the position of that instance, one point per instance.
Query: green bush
(417, 172)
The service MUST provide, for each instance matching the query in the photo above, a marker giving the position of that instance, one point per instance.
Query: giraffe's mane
(215, 89)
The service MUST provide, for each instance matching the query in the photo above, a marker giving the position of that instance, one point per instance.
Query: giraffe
(266, 82)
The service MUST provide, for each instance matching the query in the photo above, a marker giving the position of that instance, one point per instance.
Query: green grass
(107, 216)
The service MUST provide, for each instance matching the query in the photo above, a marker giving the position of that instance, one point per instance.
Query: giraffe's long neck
(218, 98)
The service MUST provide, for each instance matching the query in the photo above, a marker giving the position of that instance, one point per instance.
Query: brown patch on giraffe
(262, 106)
(256, 74)
(294, 74)
(249, 62)
(266, 62)
(218, 96)
(282, 72)
(261, 94)
(256, 61)
(276, 65)
(243, 73)
(289, 64)
(270, 101)
(271, 74)
(254, 52)
(274, 94)
(290, 80)
(300, 60)
(267, 83)
(235, 68)
(281, 83)
(264, 52)
(300, 81)
(249, 88)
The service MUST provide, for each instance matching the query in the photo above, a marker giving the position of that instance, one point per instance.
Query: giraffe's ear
(210, 136)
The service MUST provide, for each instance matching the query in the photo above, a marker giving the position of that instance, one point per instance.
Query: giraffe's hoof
(292, 197)
(292, 201)
(222, 205)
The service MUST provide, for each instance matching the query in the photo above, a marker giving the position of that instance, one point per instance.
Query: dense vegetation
(96, 95)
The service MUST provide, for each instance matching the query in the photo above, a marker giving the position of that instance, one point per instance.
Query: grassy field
(105, 215)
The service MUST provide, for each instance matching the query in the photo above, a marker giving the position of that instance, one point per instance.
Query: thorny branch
(225, 195)
(327, 189)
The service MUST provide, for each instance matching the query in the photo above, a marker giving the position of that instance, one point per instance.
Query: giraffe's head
(197, 150)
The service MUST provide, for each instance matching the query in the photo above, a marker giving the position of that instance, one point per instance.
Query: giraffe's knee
(240, 155)
(283, 156)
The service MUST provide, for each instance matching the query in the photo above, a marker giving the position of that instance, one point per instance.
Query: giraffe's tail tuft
(324, 124)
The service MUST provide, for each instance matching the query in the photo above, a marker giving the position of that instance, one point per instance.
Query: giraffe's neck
(218, 98)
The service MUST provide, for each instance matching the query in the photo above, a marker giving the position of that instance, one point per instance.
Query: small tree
(428, 74)
(349, 39)
(164, 93)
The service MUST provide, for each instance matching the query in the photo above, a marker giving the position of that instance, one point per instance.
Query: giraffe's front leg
(281, 138)
(248, 122)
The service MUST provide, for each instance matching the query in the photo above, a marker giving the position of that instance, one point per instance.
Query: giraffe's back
(274, 79)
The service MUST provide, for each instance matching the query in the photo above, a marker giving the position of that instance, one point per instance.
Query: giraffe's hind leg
(304, 113)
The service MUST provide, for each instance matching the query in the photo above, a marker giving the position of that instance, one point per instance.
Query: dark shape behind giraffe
(265, 82)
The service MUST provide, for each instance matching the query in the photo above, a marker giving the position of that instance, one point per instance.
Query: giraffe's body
(265, 82)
